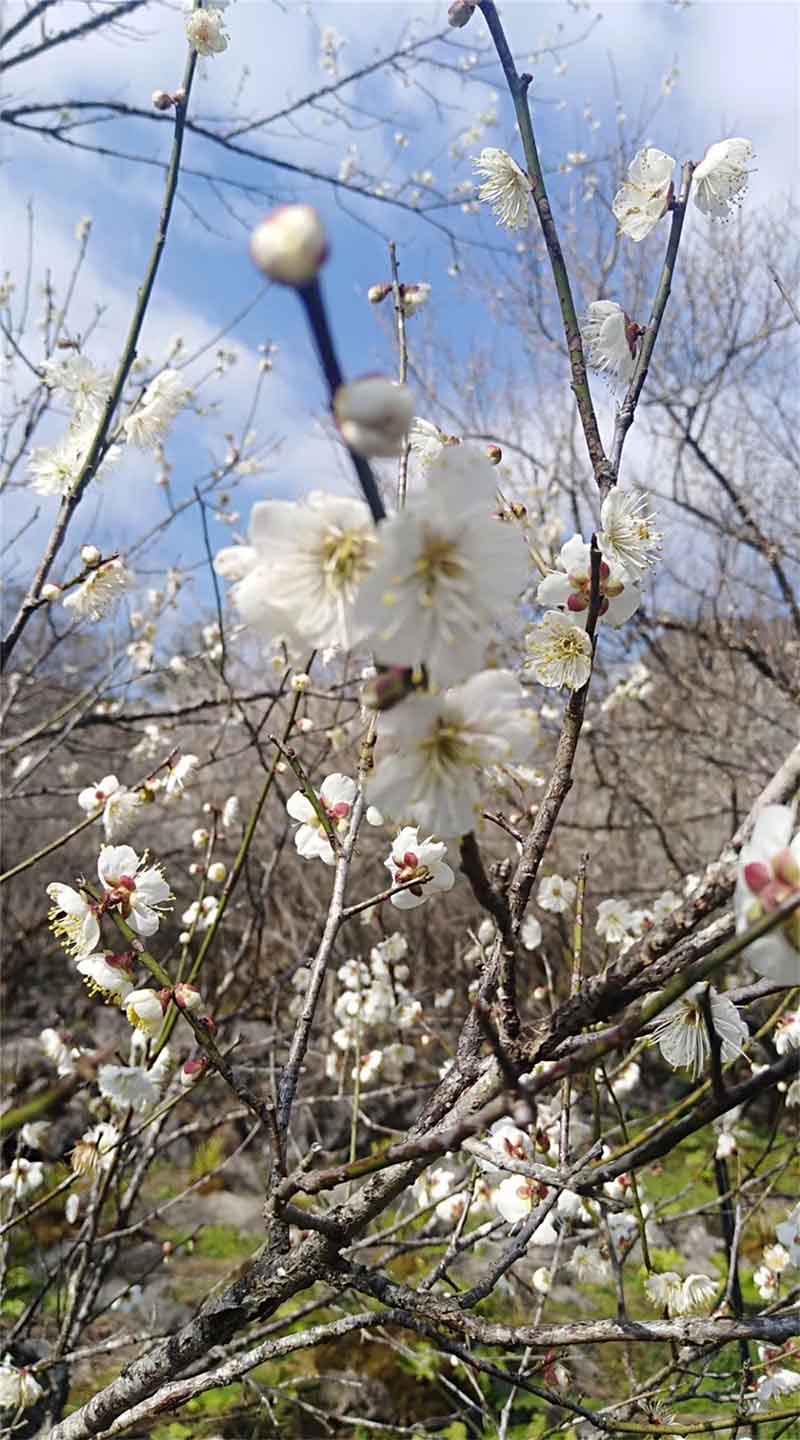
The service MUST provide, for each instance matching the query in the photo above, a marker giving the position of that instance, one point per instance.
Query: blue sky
(737, 69)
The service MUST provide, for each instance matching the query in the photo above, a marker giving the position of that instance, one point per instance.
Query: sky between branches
(737, 76)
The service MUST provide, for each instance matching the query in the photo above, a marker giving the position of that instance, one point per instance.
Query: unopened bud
(50, 592)
(388, 688)
(460, 13)
(187, 996)
(208, 1024)
(90, 555)
(374, 415)
(161, 100)
(377, 293)
(494, 454)
(290, 245)
(193, 1070)
(179, 96)
(217, 872)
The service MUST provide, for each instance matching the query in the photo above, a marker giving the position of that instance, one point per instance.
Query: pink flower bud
(290, 245)
(193, 1070)
(188, 997)
(757, 876)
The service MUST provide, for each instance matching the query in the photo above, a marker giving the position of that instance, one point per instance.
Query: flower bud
(374, 415)
(300, 682)
(179, 96)
(187, 996)
(388, 688)
(50, 592)
(460, 13)
(217, 872)
(160, 100)
(290, 245)
(494, 454)
(90, 555)
(193, 1070)
(377, 293)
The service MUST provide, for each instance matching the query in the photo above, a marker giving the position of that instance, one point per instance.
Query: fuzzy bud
(378, 293)
(290, 245)
(374, 415)
(460, 13)
(160, 100)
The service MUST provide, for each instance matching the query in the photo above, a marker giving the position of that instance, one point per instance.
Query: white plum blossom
(508, 1142)
(588, 1266)
(201, 913)
(73, 920)
(107, 975)
(205, 31)
(644, 197)
(118, 804)
(506, 188)
(139, 891)
(145, 1010)
(609, 342)
(628, 536)
(102, 587)
(128, 1086)
(336, 796)
(515, 1197)
(571, 586)
(23, 1178)
(768, 876)
(777, 1258)
(290, 245)
(93, 797)
(721, 178)
(788, 1234)
(87, 388)
(374, 415)
(179, 773)
(163, 399)
(445, 569)
(426, 441)
(300, 575)
(96, 1149)
(435, 748)
(34, 1134)
(412, 859)
(58, 1051)
(559, 652)
(414, 297)
(55, 469)
(664, 906)
(678, 1296)
(19, 1390)
(556, 894)
(787, 1032)
(682, 1035)
(613, 920)
(531, 933)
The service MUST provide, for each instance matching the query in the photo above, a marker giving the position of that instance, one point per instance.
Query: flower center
(345, 558)
(438, 560)
(447, 747)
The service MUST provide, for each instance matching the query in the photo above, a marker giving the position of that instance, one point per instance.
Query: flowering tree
(478, 1136)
